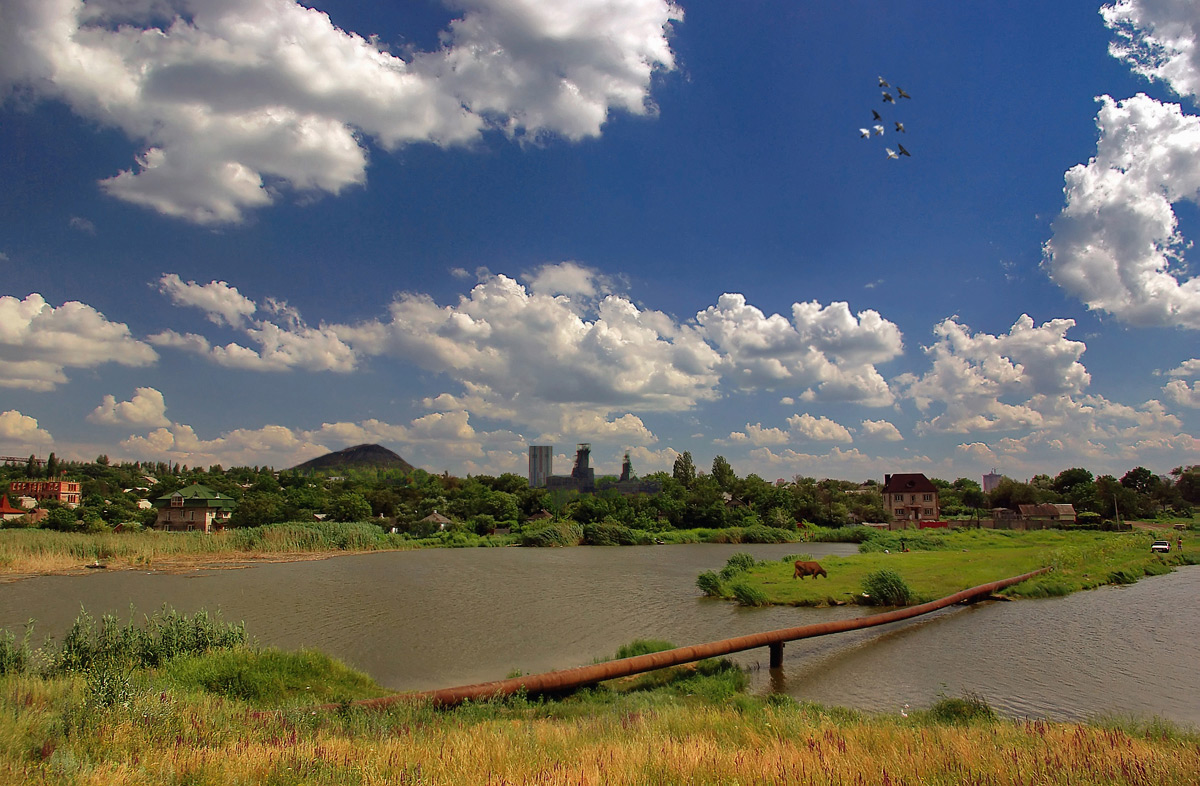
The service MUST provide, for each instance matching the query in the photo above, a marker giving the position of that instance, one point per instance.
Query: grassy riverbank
(940, 563)
(131, 712)
(26, 552)
(33, 552)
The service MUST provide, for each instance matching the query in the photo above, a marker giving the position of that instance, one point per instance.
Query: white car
(1162, 546)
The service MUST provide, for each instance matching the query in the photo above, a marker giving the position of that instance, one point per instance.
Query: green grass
(269, 678)
(193, 721)
(944, 562)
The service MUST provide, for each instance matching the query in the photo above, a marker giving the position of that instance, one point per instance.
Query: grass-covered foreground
(940, 562)
(179, 702)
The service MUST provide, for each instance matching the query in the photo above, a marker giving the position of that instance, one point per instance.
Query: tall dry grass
(163, 737)
(35, 551)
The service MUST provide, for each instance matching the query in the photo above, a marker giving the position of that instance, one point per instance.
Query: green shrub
(761, 534)
(885, 587)
(710, 584)
(970, 708)
(607, 533)
(270, 677)
(803, 556)
(167, 634)
(642, 647)
(563, 533)
(738, 563)
(1045, 588)
(14, 655)
(855, 534)
(747, 595)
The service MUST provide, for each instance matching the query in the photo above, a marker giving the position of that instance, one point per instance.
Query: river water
(445, 617)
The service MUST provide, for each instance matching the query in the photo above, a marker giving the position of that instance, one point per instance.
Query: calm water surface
(444, 617)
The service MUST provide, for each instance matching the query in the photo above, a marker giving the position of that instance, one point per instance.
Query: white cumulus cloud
(825, 351)
(882, 429)
(231, 100)
(283, 340)
(38, 342)
(541, 357)
(220, 302)
(988, 382)
(22, 431)
(1159, 39)
(818, 429)
(1188, 368)
(146, 408)
(1183, 394)
(1116, 244)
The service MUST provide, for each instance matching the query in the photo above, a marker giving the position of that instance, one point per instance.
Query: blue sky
(252, 232)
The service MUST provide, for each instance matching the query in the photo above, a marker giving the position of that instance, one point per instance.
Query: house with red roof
(7, 511)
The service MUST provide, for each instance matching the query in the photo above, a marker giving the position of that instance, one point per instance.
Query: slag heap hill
(358, 456)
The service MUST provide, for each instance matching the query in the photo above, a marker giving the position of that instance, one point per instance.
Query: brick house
(193, 507)
(910, 497)
(68, 492)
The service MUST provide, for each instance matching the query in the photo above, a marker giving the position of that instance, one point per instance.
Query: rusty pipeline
(567, 679)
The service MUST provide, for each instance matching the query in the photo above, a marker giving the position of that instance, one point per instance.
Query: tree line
(689, 498)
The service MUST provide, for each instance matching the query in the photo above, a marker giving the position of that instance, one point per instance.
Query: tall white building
(991, 481)
(541, 465)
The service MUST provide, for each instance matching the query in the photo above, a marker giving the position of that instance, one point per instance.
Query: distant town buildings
(991, 481)
(541, 465)
(68, 492)
(910, 497)
(583, 477)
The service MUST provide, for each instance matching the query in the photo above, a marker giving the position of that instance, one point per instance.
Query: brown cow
(813, 569)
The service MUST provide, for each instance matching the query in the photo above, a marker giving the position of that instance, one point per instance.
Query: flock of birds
(878, 128)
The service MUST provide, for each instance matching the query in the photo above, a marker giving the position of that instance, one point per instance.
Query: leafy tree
(1138, 479)
(1068, 479)
(61, 518)
(51, 466)
(723, 474)
(1187, 481)
(256, 509)
(350, 507)
(684, 471)
(1116, 499)
(974, 499)
(1010, 493)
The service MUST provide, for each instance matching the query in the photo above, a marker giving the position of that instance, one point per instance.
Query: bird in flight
(878, 130)
(864, 132)
(900, 127)
(891, 153)
(883, 82)
(903, 152)
(887, 98)
(902, 94)
(877, 117)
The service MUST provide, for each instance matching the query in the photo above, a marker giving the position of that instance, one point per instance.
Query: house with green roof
(193, 507)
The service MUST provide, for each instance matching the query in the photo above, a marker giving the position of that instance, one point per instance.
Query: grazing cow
(813, 569)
